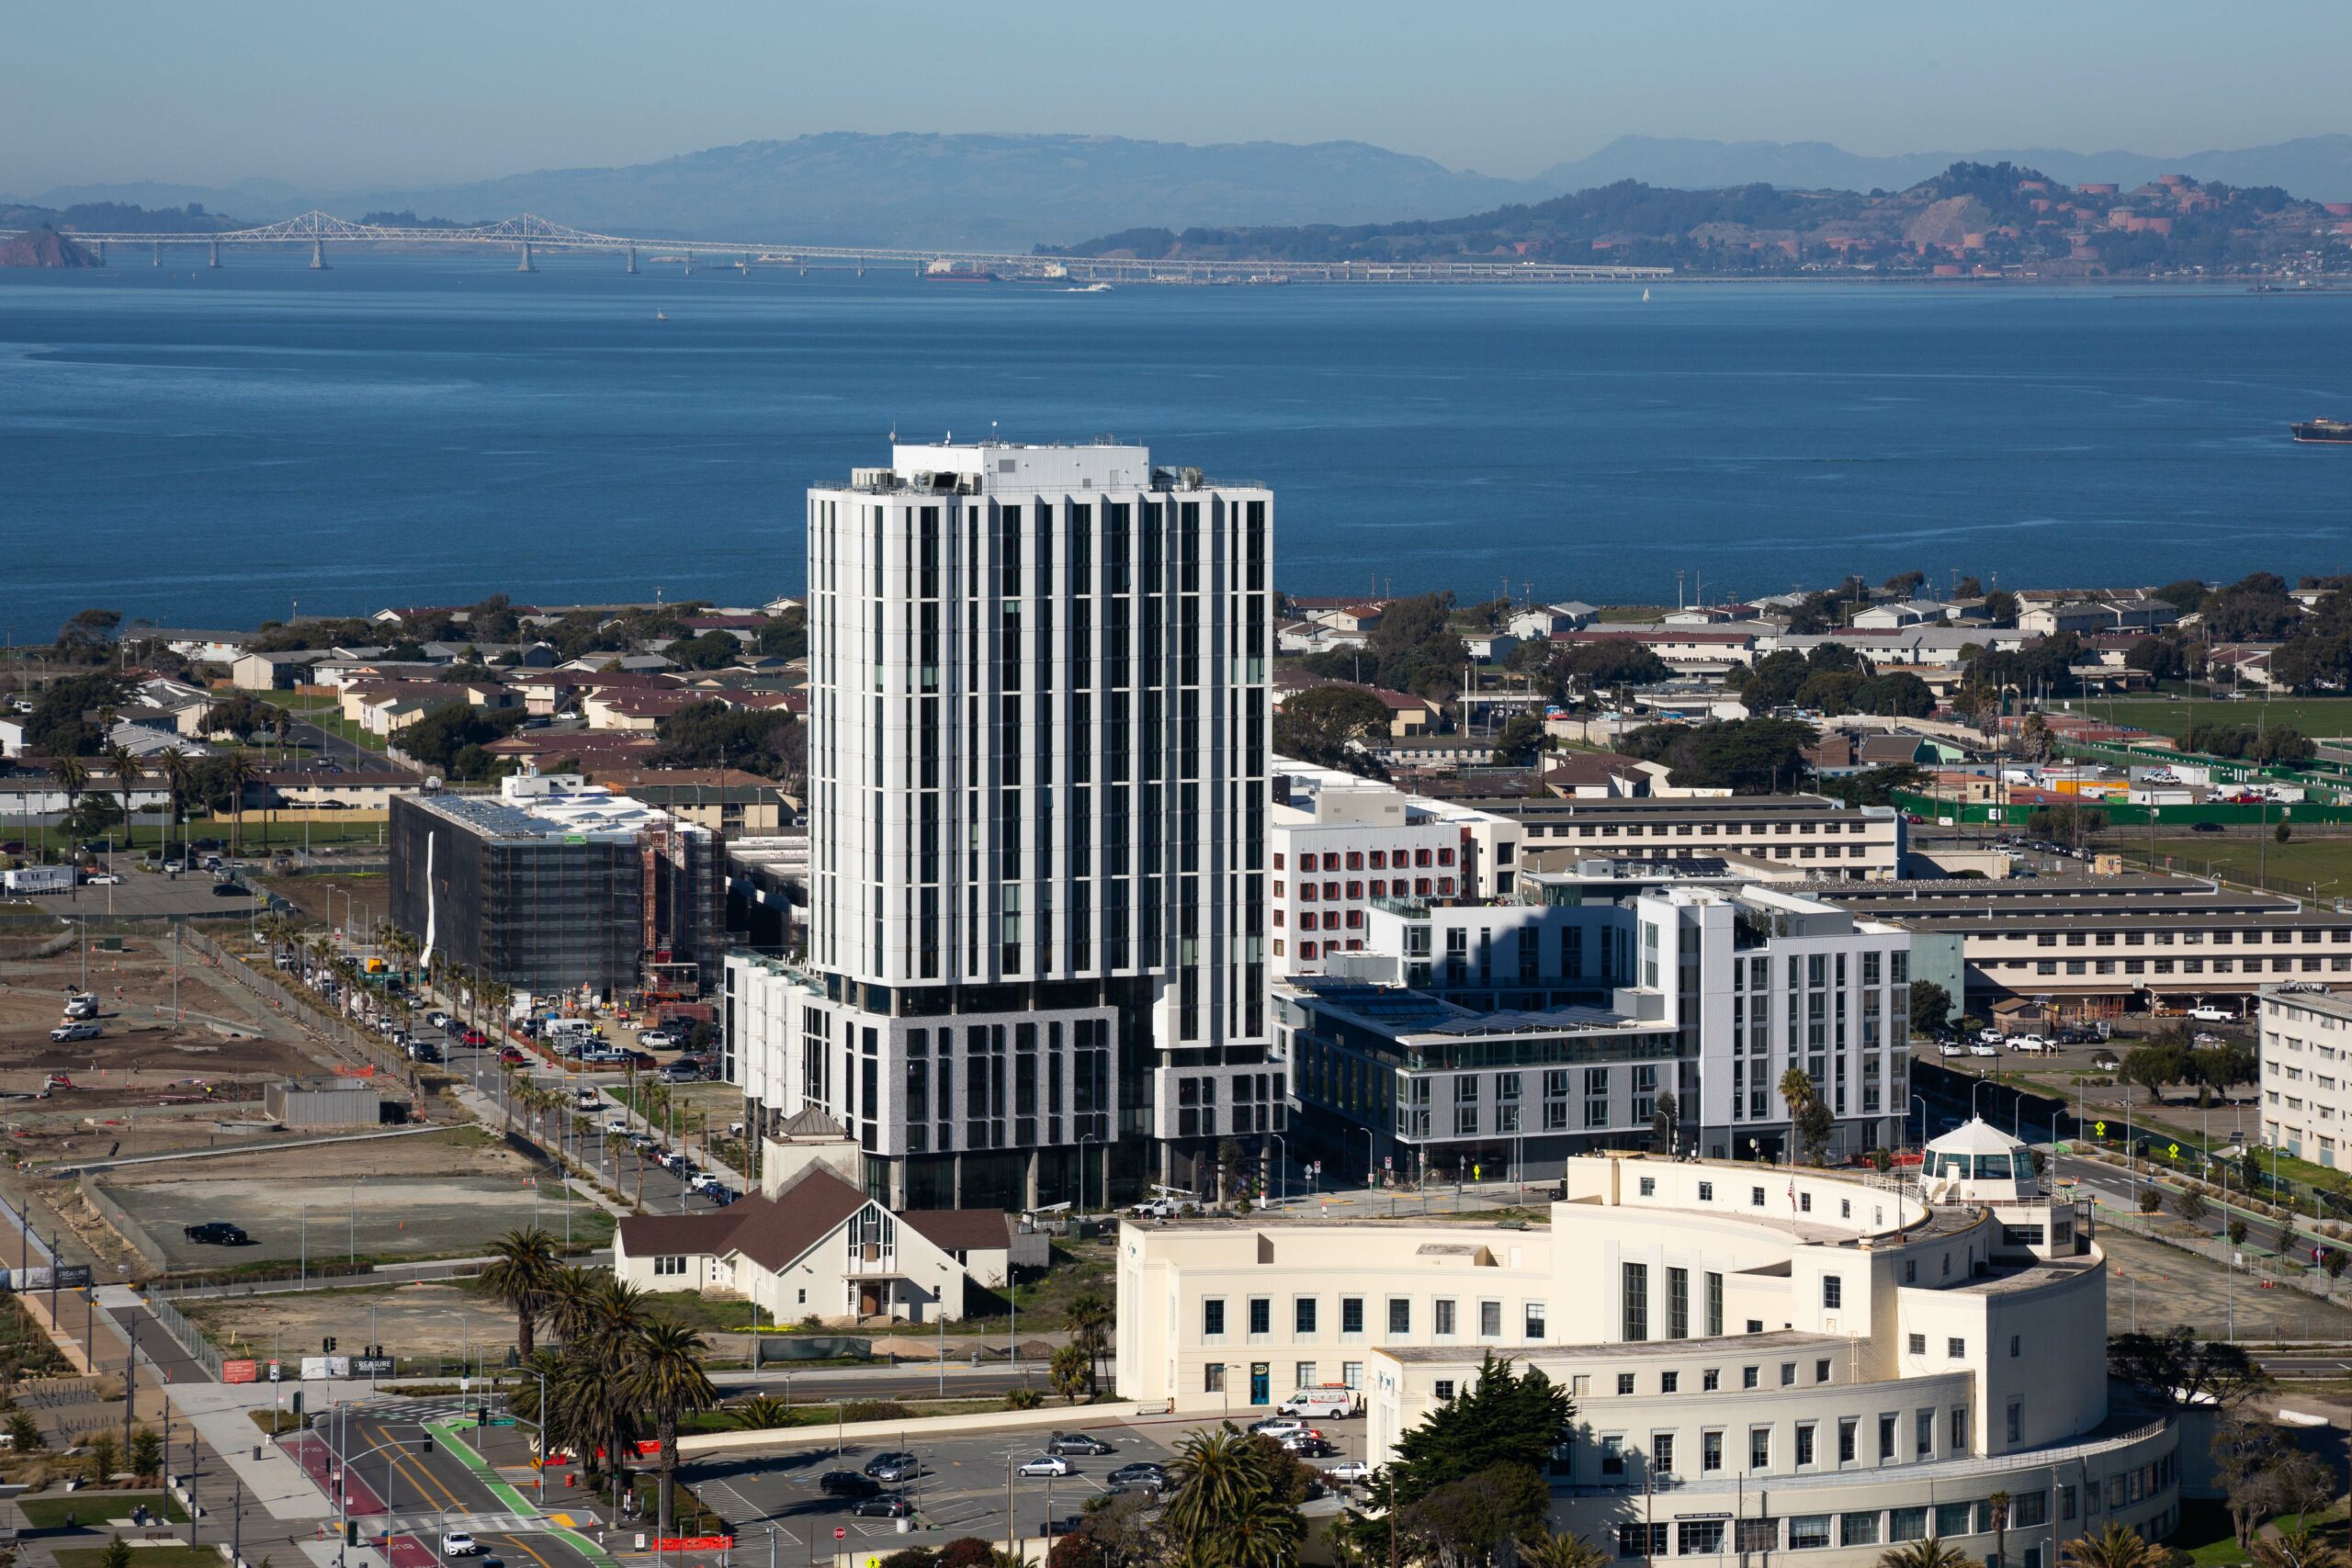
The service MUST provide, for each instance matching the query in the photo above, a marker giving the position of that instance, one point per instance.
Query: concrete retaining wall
(1052, 1418)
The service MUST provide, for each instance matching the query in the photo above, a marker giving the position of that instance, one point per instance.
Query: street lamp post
(1282, 1161)
(1921, 1102)
(1084, 1139)
(1370, 1161)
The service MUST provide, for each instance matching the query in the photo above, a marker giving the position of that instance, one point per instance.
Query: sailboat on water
(664, 315)
(1646, 296)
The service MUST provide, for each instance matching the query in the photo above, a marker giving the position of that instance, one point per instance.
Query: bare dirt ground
(445, 1194)
(332, 900)
(407, 1320)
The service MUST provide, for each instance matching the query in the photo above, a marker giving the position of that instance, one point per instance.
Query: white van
(1331, 1404)
(569, 1031)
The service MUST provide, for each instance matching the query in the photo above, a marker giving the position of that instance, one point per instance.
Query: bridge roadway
(529, 233)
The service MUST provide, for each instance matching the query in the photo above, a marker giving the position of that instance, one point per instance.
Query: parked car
(1045, 1464)
(1278, 1426)
(439, 1019)
(617, 1125)
(2204, 827)
(1950, 1048)
(103, 879)
(658, 1040)
(1078, 1443)
(218, 1232)
(476, 1039)
(1068, 1524)
(1144, 1472)
(847, 1483)
(1984, 1048)
(887, 1505)
(2210, 1014)
(893, 1464)
(232, 890)
(65, 1032)
(1306, 1446)
(1346, 1473)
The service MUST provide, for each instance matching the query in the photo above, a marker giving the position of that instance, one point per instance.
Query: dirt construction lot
(442, 1194)
(407, 1320)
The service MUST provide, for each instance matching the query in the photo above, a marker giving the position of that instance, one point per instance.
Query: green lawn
(92, 1508)
(2316, 716)
(145, 1557)
(2246, 855)
(2207, 1535)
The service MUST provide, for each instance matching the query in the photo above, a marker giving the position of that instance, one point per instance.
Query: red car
(473, 1037)
(510, 1055)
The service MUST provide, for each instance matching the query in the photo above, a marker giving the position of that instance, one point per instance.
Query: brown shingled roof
(961, 1230)
(772, 1232)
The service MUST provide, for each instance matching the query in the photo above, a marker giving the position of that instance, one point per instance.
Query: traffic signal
(481, 1414)
(327, 1348)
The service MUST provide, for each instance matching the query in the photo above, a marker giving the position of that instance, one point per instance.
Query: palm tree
(1997, 1504)
(524, 1264)
(2114, 1547)
(1090, 1316)
(1224, 1509)
(73, 776)
(1549, 1551)
(760, 1413)
(1927, 1553)
(237, 774)
(616, 1318)
(124, 765)
(567, 1303)
(178, 773)
(665, 1377)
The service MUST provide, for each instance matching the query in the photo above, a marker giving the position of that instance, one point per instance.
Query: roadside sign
(2100, 1128)
(2173, 1149)
(840, 1534)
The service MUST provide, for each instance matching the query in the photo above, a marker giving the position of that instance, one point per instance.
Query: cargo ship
(2339, 430)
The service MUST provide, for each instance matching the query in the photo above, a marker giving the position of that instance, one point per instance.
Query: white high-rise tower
(1038, 795)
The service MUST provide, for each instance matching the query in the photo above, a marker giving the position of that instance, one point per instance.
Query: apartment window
(1833, 1293)
(1303, 1315)
(1808, 1531)
(1706, 1191)
(675, 1265)
(1662, 1453)
(1678, 1304)
(1533, 1315)
(2014, 1342)
(1821, 1371)
(2016, 1421)
(1959, 1429)
(1213, 1317)
(1918, 1344)
(1400, 1315)
(1788, 1374)
(1714, 1305)
(1699, 1537)
(1636, 1301)
(1886, 1440)
(1711, 1380)
(1711, 1452)
(1755, 1534)
(1214, 1382)
(1351, 1315)
(1759, 1447)
(1906, 1524)
(1637, 1539)
(1261, 1314)
(1491, 1320)
(1859, 1529)
(1804, 1444)
(1923, 1434)
(1625, 1383)
(1613, 1456)
(1747, 1377)
(1441, 1318)
(1669, 1383)
(1847, 1428)
(1957, 1350)
(1444, 1388)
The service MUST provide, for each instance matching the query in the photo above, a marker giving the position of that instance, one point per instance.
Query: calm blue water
(206, 448)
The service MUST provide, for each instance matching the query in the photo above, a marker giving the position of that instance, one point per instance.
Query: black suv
(218, 1232)
(847, 1483)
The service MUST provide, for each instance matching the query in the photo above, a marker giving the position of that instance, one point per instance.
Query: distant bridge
(530, 232)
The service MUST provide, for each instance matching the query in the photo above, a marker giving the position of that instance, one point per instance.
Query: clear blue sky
(326, 94)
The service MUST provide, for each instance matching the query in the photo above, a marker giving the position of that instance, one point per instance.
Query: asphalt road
(964, 1489)
(428, 1495)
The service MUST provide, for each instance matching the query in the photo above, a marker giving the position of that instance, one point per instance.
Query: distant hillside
(100, 217)
(2316, 167)
(1971, 219)
(980, 192)
(44, 247)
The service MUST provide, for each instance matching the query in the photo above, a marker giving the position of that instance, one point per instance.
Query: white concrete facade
(1801, 1361)
(2306, 1048)
(1037, 773)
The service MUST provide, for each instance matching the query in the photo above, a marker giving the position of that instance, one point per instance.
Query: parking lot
(964, 1484)
(146, 896)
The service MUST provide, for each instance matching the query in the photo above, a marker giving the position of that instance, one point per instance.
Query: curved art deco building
(1763, 1360)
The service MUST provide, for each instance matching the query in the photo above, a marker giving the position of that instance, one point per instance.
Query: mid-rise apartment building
(1486, 1039)
(1038, 795)
(1811, 832)
(2306, 1048)
(1343, 844)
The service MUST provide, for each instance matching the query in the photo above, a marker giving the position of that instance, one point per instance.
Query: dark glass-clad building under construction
(548, 887)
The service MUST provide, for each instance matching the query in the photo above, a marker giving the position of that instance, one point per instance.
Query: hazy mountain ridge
(1001, 192)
